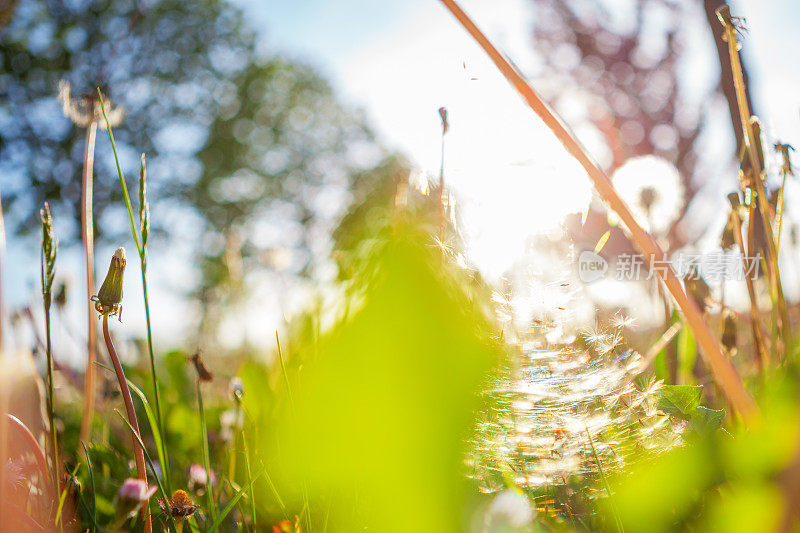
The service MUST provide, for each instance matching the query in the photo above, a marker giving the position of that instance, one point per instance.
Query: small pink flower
(132, 495)
(198, 479)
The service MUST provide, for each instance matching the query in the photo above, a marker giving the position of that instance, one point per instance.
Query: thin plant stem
(94, 491)
(723, 370)
(249, 478)
(87, 235)
(603, 477)
(306, 498)
(48, 259)
(138, 449)
(779, 213)
(755, 317)
(141, 249)
(212, 509)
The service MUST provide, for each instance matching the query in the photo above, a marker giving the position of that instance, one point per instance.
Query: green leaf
(233, 501)
(705, 421)
(682, 400)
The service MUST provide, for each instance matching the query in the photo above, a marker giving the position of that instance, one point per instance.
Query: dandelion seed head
(652, 188)
(85, 109)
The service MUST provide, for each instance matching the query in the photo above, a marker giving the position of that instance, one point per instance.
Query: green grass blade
(215, 525)
(63, 497)
(91, 481)
(119, 172)
(212, 504)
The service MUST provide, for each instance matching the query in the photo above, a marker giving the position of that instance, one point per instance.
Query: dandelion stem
(87, 234)
(138, 451)
(721, 367)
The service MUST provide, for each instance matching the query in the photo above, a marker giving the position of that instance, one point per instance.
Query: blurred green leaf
(384, 413)
(705, 421)
(681, 400)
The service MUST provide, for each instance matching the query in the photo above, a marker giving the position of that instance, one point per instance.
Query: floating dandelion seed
(86, 109)
(652, 188)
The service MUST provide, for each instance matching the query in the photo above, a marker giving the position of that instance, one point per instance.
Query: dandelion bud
(443, 115)
(783, 149)
(132, 495)
(203, 373)
(110, 295)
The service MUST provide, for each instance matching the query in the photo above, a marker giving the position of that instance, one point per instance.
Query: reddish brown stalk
(87, 233)
(138, 451)
(33, 444)
(721, 367)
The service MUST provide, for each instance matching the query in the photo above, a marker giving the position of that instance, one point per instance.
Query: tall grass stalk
(723, 370)
(141, 249)
(786, 170)
(87, 236)
(752, 145)
(48, 264)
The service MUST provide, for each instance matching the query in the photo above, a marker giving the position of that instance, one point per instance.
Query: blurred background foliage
(364, 417)
(251, 157)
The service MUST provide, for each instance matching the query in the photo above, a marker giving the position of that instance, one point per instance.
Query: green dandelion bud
(109, 297)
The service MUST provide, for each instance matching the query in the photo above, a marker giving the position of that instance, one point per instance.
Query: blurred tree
(628, 61)
(250, 157)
